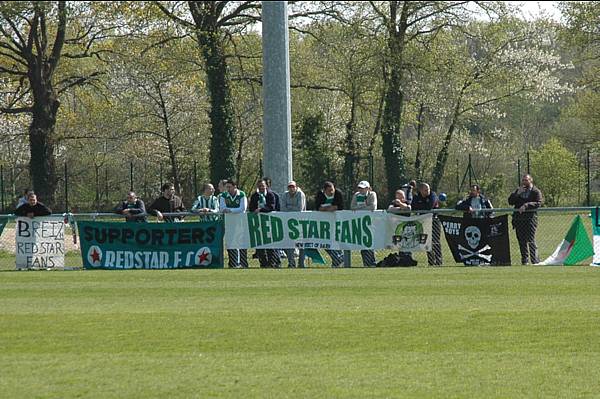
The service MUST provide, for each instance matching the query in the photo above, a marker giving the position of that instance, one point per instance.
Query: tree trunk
(222, 139)
(42, 141)
(442, 158)
(351, 156)
(169, 139)
(418, 161)
(393, 151)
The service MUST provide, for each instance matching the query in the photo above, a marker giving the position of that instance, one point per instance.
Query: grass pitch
(418, 332)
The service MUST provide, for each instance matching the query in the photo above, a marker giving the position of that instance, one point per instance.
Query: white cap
(364, 184)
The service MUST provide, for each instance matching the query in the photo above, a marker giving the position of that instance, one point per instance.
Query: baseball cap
(292, 183)
(364, 184)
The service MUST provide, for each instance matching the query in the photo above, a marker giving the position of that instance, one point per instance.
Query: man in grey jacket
(293, 200)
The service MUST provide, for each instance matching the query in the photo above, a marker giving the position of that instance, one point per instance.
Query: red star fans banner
(106, 245)
(40, 242)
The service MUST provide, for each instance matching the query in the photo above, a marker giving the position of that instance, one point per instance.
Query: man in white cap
(293, 200)
(365, 199)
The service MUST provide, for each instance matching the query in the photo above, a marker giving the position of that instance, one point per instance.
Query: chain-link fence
(547, 228)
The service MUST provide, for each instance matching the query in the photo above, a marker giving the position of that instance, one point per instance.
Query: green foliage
(314, 156)
(555, 172)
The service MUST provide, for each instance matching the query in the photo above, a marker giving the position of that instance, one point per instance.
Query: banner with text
(478, 241)
(106, 245)
(410, 233)
(40, 242)
(346, 230)
(322, 230)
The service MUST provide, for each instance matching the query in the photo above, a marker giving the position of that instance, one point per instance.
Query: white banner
(40, 242)
(410, 233)
(346, 230)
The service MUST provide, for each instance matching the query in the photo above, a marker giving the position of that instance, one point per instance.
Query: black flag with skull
(476, 242)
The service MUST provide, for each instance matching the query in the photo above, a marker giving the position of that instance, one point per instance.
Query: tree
(403, 23)
(555, 171)
(212, 22)
(33, 40)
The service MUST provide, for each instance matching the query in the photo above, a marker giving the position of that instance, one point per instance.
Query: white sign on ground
(40, 242)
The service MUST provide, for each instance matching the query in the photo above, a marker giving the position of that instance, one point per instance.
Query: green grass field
(450, 332)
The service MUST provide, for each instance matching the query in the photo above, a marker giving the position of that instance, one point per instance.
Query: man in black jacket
(133, 208)
(426, 200)
(474, 203)
(263, 200)
(526, 199)
(33, 207)
(168, 202)
(330, 200)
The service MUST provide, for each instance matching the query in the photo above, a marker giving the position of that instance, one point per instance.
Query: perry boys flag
(596, 230)
(574, 248)
(106, 245)
(476, 242)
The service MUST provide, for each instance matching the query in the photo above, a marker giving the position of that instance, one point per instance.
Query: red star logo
(95, 256)
(203, 257)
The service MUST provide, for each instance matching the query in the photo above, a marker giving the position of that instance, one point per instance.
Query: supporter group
(411, 198)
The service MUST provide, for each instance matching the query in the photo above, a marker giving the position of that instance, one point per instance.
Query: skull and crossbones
(473, 236)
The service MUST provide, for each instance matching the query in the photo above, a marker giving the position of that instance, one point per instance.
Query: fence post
(196, 178)
(589, 180)
(528, 169)
(97, 173)
(66, 188)
(519, 172)
(470, 172)
(131, 175)
(457, 178)
(2, 187)
(161, 175)
(106, 182)
(347, 258)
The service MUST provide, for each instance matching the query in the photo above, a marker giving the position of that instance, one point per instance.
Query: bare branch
(238, 12)
(16, 110)
(78, 81)
(60, 36)
(172, 16)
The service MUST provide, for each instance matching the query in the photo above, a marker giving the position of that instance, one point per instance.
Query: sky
(533, 9)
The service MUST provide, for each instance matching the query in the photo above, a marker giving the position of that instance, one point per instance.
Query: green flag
(575, 247)
(315, 256)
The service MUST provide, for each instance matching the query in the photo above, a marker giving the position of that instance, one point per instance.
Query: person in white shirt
(235, 201)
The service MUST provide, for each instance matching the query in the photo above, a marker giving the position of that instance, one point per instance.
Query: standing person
(365, 199)
(474, 203)
(409, 190)
(33, 207)
(24, 199)
(279, 253)
(132, 208)
(221, 187)
(401, 206)
(233, 200)
(262, 201)
(294, 200)
(426, 200)
(207, 204)
(330, 199)
(526, 199)
(168, 202)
